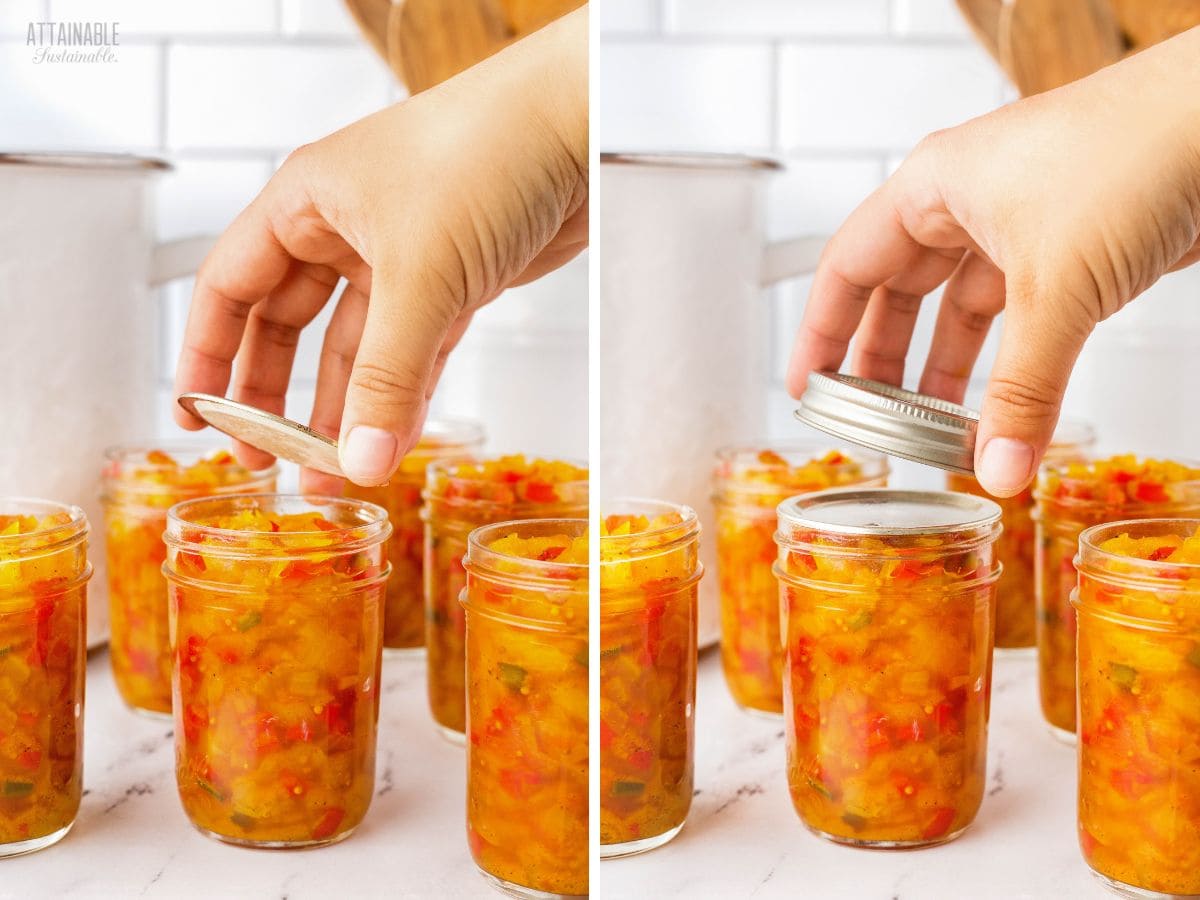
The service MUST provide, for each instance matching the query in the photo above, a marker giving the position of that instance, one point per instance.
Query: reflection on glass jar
(526, 602)
(140, 484)
(462, 495)
(276, 621)
(1138, 605)
(748, 484)
(886, 601)
(43, 600)
(649, 574)
(404, 616)
(1016, 613)
(1070, 498)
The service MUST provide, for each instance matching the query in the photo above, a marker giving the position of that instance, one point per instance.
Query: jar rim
(438, 466)
(374, 519)
(977, 512)
(1059, 468)
(1091, 538)
(119, 454)
(43, 541)
(478, 543)
(655, 541)
(449, 432)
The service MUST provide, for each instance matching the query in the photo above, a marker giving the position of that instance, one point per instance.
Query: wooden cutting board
(427, 41)
(1042, 44)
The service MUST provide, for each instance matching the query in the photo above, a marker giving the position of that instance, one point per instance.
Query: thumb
(1038, 349)
(386, 396)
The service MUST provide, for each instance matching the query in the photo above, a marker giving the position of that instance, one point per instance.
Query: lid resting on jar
(266, 431)
(888, 511)
(892, 420)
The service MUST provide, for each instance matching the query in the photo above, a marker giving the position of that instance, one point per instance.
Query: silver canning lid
(111, 161)
(871, 511)
(713, 161)
(883, 417)
(268, 432)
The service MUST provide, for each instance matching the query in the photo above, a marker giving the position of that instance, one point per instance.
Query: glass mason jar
(748, 484)
(1016, 612)
(887, 613)
(404, 616)
(1070, 498)
(139, 485)
(526, 605)
(460, 497)
(43, 657)
(277, 621)
(1138, 607)
(649, 576)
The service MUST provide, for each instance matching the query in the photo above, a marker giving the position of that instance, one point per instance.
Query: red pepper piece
(943, 818)
(551, 553)
(641, 760)
(1161, 553)
(30, 758)
(1151, 492)
(540, 492)
(328, 824)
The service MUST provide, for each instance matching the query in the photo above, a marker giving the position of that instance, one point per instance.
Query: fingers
(1024, 394)
(407, 323)
(268, 349)
(244, 267)
(872, 274)
(974, 296)
(342, 338)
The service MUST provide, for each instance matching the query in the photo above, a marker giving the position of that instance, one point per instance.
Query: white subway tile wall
(839, 90)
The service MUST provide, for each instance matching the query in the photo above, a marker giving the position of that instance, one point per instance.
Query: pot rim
(689, 160)
(84, 160)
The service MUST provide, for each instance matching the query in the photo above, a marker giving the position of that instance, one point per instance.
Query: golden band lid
(889, 419)
(266, 431)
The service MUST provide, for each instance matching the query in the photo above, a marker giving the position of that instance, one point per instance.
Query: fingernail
(367, 454)
(1005, 466)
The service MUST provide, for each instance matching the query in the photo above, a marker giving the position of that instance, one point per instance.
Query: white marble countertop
(132, 840)
(743, 839)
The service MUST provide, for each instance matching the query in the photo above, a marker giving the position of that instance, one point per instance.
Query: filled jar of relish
(43, 656)
(887, 612)
(1016, 613)
(276, 609)
(526, 605)
(140, 483)
(748, 484)
(1071, 497)
(404, 616)
(462, 495)
(1138, 607)
(649, 576)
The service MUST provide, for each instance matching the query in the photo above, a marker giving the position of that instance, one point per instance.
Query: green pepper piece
(437, 617)
(820, 788)
(249, 620)
(4, 651)
(1122, 674)
(855, 821)
(512, 676)
(210, 790)
(1194, 656)
(860, 621)
(582, 656)
(18, 788)
(241, 820)
(611, 652)
(627, 788)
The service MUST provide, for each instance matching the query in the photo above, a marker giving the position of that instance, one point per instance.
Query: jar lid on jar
(887, 418)
(887, 511)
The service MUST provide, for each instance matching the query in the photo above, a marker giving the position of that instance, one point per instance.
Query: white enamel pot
(683, 325)
(78, 327)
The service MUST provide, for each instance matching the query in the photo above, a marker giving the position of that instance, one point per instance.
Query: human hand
(429, 209)
(1058, 209)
